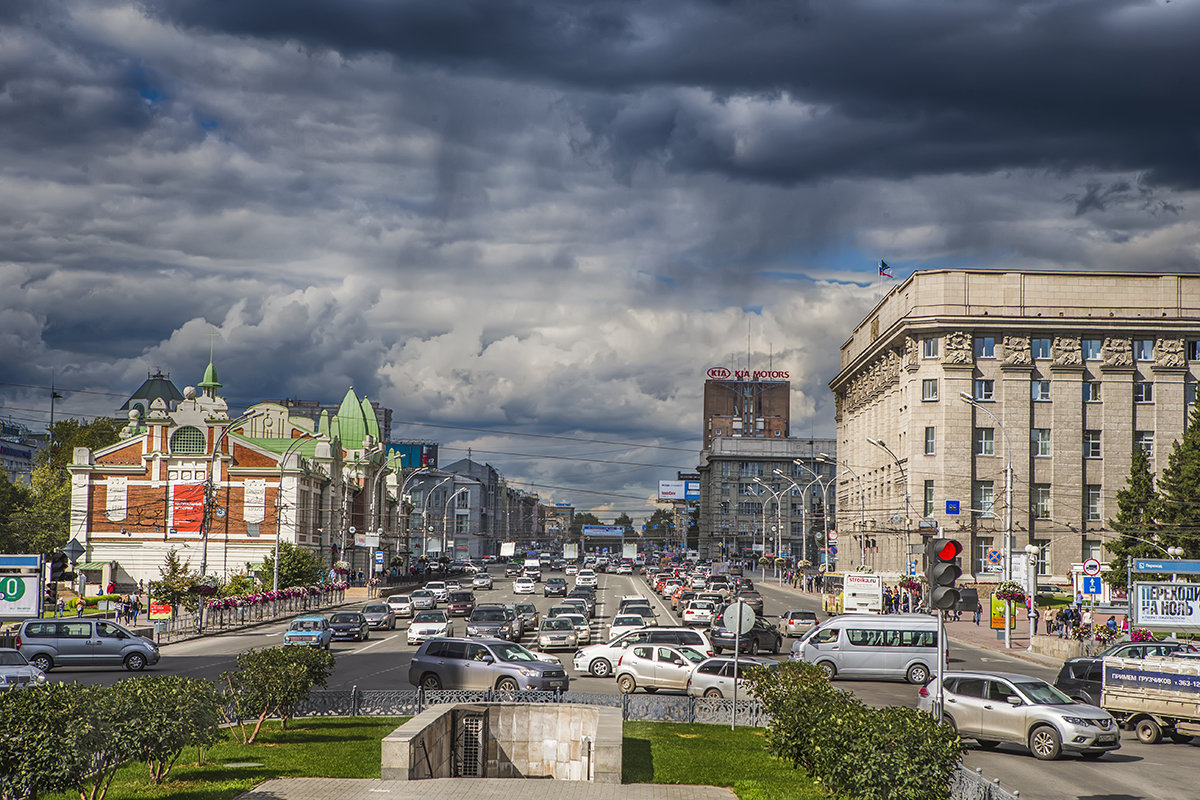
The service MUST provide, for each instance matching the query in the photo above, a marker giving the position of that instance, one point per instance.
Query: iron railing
(968, 784)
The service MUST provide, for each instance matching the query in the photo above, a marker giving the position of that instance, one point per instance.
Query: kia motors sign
(726, 374)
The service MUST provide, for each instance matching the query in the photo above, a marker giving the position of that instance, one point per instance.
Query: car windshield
(376, 609)
(487, 615)
(344, 618)
(306, 625)
(526, 608)
(11, 658)
(430, 616)
(461, 597)
(432, 585)
(1043, 694)
(691, 654)
(512, 652)
(641, 611)
(628, 620)
(576, 619)
(399, 598)
(422, 593)
(557, 624)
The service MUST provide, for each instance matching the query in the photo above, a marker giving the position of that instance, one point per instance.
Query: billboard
(187, 507)
(679, 490)
(629, 551)
(508, 549)
(19, 595)
(1166, 605)
(603, 530)
(413, 454)
(570, 551)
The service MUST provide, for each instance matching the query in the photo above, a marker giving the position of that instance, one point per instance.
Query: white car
(482, 580)
(583, 628)
(401, 605)
(624, 568)
(656, 666)
(623, 623)
(440, 592)
(524, 585)
(713, 677)
(600, 659)
(571, 569)
(585, 577)
(698, 612)
(427, 624)
(423, 600)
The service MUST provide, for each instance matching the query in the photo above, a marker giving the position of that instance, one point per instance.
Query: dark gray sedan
(380, 616)
(349, 625)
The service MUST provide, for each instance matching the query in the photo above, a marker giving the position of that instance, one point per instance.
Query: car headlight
(1083, 721)
(528, 673)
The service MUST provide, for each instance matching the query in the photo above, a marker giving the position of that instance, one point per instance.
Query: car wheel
(754, 647)
(42, 662)
(430, 682)
(713, 693)
(987, 744)
(135, 662)
(1148, 731)
(778, 645)
(600, 668)
(827, 669)
(1045, 743)
(918, 674)
(507, 685)
(626, 684)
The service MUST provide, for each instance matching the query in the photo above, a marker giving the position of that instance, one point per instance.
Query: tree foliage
(271, 681)
(1179, 491)
(176, 579)
(68, 434)
(1137, 508)
(298, 566)
(176, 712)
(581, 518)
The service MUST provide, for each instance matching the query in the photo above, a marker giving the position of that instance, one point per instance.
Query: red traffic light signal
(942, 570)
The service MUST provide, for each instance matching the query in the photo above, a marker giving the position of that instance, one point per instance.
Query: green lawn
(664, 752)
(654, 752)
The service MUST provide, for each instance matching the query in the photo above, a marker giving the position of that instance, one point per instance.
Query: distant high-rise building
(756, 406)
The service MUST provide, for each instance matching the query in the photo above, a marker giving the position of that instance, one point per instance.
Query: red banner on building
(187, 507)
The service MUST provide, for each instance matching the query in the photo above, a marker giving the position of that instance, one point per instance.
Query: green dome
(210, 378)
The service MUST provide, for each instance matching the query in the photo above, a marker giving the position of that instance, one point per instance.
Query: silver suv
(83, 643)
(995, 707)
(656, 666)
(446, 663)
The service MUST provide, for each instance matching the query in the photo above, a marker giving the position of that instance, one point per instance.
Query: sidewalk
(476, 789)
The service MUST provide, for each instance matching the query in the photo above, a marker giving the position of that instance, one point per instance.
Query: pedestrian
(60, 607)
(978, 611)
(1111, 624)
(1037, 615)
(112, 588)
(137, 607)
(79, 606)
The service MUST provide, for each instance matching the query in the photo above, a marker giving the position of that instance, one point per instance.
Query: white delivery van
(892, 646)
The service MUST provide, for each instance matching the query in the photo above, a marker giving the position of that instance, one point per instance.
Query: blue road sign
(833, 549)
(1168, 566)
(1091, 584)
(378, 556)
(951, 506)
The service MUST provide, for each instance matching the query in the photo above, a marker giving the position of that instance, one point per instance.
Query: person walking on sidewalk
(978, 611)
(1037, 616)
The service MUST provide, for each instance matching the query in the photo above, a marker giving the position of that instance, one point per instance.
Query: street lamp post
(1031, 552)
(907, 507)
(862, 504)
(426, 529)
(1008, 532)
(446, 515)
(778, 522)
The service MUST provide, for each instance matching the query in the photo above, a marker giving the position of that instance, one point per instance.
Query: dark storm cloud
(891, 89)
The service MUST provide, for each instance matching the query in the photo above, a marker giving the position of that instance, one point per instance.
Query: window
(1091, 349)
(929, 389)
(929, 498)
(1041, 442)
(985, 389)
(985, 347)
(1092, 548)
(929, 347)
(1091, 444)
(1189, 393)
(985, 441)
(1040, 390)
(1092, 503)
(188, 440)
(1040, 348)
(1143, 392)
(1043, 561)
(1041, 501)
(982, 498)
(1193, 350)
(930, 440)
(984, 544)
(1091, 391)
(1143, 349)
(1144, 440)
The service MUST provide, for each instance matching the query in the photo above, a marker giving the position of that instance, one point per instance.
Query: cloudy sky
(551, 218)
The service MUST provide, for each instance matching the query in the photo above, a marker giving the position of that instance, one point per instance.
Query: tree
(1137, 506)
(660, 526)
(68, 434)
(580, 519)
(626, 522)
(175, 582)
(270, 681)
(1179, 491)
(298, 566)
(175, 712)
(15, 501)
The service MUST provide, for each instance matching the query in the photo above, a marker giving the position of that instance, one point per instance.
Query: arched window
(189, 441)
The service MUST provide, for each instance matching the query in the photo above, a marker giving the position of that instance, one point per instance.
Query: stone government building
(1078, 368)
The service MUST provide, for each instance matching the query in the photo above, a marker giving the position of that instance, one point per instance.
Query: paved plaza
(476, 789)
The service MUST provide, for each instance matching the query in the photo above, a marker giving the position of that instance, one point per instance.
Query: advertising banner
(508, 549)
(629, 551)
(187, 507)
(603, 530)
(671, 490)
(1166, 605)
(1115, 676)
(691, 490)
(998, 615)
(570, 551)
(19, 595)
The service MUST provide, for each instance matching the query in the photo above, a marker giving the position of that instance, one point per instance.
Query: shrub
(272, 681)
(175, 712)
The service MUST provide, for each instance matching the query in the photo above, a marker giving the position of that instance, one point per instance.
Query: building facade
(957, 374)
(748, 407)
(748, 508)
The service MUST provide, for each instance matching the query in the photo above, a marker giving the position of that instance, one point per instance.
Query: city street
(382, 663)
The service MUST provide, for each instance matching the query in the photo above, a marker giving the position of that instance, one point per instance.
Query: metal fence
(186, 624)
(967, 784)
(634, 707)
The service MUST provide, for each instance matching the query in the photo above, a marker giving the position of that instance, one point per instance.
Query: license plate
(1106, 739)
(558, 684)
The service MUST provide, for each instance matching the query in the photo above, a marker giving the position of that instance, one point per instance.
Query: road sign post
(738, 618)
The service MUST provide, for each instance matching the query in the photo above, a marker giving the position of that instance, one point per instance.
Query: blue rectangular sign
(19, 562)
(951, 506)
(1091, 584)
(1115, 676)
(603, 530)
(1166, 566)
(691, 490)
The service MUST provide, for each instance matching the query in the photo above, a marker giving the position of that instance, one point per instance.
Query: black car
(493, 621)
(762, 636)
(513, 570)
(752, 599)
(1081, 678)
(588, 595)
(350, 625)
(554, 587)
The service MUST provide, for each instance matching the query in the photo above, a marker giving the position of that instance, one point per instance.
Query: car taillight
(18, 644)
(924, 691)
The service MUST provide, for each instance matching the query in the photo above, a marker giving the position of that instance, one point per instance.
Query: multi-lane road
(1135, 772)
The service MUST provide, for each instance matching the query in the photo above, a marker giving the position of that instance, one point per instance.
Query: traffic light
(942, 570)
(51, 594)
(58, 566)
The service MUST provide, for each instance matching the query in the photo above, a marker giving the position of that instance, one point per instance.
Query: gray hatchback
(446, 663)
(83, 643)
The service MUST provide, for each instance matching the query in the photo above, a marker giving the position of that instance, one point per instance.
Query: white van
(892, 646)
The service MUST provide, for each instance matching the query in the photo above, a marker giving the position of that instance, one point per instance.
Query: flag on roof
(884, 269)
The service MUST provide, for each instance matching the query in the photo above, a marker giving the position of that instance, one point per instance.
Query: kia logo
(719, 373)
